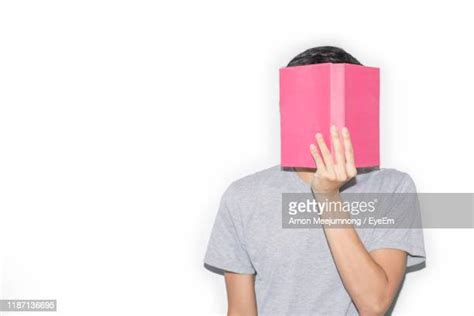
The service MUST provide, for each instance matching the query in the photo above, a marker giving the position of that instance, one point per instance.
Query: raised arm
(371, 279)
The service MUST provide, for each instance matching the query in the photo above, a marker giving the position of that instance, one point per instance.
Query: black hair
(323, 54)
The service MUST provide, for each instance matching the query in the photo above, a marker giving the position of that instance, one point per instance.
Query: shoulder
(255, 185)
(254, 182)
(386, 180)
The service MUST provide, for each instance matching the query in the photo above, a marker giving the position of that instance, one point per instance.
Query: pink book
(314, 97)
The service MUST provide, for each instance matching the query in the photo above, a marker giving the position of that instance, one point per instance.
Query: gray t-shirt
(295, 272)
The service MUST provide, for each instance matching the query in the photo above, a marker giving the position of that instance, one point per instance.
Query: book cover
(314, 97)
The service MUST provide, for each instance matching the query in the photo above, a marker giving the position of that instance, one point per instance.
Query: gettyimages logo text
(310, 205)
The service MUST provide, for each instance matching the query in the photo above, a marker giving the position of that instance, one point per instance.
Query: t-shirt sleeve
(406, 234)
(225, 250)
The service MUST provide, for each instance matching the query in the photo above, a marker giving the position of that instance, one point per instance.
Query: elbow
(375, 307)
(373, 311)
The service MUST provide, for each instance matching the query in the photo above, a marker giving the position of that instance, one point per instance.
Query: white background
(122, 123)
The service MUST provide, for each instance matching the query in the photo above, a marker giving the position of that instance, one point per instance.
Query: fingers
(349, 153)
(336, 141)
(328, 163)
(339, 168)
(317, 157)
(343, 166)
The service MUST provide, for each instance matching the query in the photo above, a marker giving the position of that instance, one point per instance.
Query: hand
(331, 175)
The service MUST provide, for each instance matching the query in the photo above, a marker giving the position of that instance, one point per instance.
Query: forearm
(364, 279)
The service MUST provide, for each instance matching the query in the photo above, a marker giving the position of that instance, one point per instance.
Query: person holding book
(273, 270)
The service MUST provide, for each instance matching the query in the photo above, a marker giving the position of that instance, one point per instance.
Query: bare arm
(371, 279)
(240, 294)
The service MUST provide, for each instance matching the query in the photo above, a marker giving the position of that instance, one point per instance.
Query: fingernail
(345, 130)
(333, 128)
(312, 147)
(318, 135)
